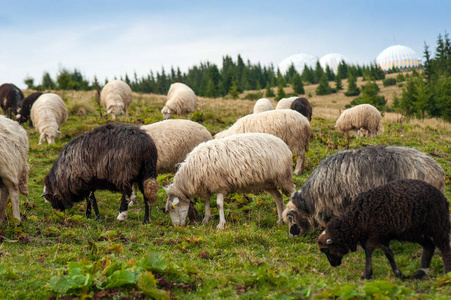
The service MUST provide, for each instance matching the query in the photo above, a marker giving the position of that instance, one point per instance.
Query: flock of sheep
(365, 197)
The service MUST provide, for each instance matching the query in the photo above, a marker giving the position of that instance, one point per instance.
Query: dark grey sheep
(111, 157)
(11, 98)
(302, 106)
(403, 210)
(23, 113)
(343, 175)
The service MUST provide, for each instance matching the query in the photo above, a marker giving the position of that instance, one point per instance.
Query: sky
(109, 39)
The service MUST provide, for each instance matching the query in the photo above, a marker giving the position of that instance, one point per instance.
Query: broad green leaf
(153, 262)
(146, 281)
(121, 278)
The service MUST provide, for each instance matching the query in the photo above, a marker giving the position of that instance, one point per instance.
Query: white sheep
(243, 163)
(181, 100)
(262, 105)
(48, 113)
(116, 97)
(13, 165)
(174, 139)
(285, 103)
(364, 119)
(287, 124)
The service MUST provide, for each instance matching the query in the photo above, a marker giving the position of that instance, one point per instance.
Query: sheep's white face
(116, 110)
(167, 113)
(178, 210)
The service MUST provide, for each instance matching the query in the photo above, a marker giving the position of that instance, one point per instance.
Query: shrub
(254, 96)
(389, 81)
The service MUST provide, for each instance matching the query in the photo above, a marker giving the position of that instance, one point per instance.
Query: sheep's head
(332, 247)
(21, 118)
(167, 112)
(297, 219)
(177, 206)
(115, 110)
(55, 201)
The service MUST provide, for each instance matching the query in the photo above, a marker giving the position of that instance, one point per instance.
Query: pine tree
(269, 93)
(323, 87)
(353, 90)
(338, 83)
(330, 75)
(298, 86)
(318, 72)
(234, 93)
(280, 93)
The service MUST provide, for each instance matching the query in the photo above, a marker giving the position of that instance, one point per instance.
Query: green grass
(51, 255)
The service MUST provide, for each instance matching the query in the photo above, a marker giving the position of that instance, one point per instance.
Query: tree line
(209, 80)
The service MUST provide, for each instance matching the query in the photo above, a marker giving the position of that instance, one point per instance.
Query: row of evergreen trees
(429, 93)
(210, 81)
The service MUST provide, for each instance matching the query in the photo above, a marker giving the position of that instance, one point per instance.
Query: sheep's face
(54, 201)
(334, 250)
(178, 210)
(116, 110)
(297, 222)
(167, 113)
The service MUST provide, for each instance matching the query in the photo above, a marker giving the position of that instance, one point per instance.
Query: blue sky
(111, 38)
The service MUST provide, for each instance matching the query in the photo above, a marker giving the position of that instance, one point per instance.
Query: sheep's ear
(175, 202)
(44, 192)
(329, 241)
(109, 111)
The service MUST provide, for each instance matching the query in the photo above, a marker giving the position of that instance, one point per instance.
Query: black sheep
(24, 111)
(111, 157)
(11, 98)
(404, 210)
(302, 106)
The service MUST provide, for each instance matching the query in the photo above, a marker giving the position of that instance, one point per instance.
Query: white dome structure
(299, 61)
(396, 58)
(332, 60)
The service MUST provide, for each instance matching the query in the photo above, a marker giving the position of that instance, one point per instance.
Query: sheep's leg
(279, 201)
(207, 210)
(14, 193)
(445, 252)
(391, 259)
(368, 263)
(123, 209)
(300, 161)
(4, 194)
(134, 196)
(426, 257)
(92, 201)
(220, 204)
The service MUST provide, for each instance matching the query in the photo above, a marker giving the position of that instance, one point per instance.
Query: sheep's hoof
(122, 216)
(205, 221)
(146, 222)
(420, 274)
(367, 277)
(220, 226)
(280, 222)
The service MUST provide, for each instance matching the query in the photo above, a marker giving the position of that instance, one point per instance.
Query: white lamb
(48, 113)
(243, 163)
(174, 139)
(181, 100)
(13, 165)
(285, 103)
(262, 105)
(116, 97)
(364, 119)
(287, 124)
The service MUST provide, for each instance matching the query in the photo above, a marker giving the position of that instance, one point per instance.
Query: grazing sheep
(174, 139)
(24, 111)
(302, 106)
(48, 113)
(181, 101)
(363, 116)
(285, 103)
(13, 165)
(403, 210)
(262, 105)
(11, 98)
(111, 157)
(289, 125)
(340, 177)
(116, 97)
(243, 163)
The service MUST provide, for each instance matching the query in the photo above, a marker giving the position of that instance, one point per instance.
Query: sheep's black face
(55, 201)
(333, 259)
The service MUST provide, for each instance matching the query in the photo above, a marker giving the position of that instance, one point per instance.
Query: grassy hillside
(51, 255)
